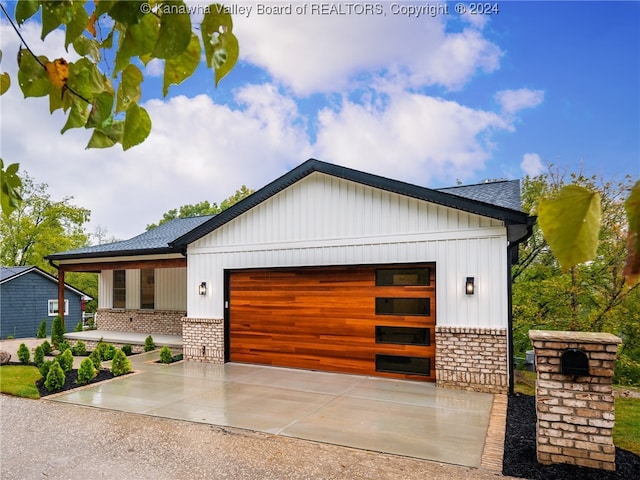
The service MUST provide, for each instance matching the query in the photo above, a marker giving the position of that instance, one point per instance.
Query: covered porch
(118, 339)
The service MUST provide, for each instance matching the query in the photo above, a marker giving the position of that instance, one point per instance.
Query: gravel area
(44, 439)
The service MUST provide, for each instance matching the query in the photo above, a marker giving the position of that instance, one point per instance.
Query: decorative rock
(4, 357)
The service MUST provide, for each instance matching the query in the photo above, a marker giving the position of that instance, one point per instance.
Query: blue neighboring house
(28, 295)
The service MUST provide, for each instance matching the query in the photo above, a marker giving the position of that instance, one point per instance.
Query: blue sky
(428, 100)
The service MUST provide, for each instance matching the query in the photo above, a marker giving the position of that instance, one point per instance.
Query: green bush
(109, 352)
(44, 368)
(42, 329)
(65, 360)
(23, 353)
(57, 331)
(96, 359)
(38, 356)
(46, 348)
(55, 377)
(148, 344)
(626, 372)
(86, 372)
(78, 327)
(127, 349)
(165, 355)
(64, 345)
(79, 349)
(120, 364)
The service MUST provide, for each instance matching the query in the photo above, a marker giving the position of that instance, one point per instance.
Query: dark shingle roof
(505, 193)
(153, 241)
(8, 272)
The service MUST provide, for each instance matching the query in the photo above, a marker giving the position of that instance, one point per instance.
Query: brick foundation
(472, 359)
(575, 414)
(203, 339)
(166, 322)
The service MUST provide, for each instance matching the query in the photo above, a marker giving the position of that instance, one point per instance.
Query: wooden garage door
(364, 320)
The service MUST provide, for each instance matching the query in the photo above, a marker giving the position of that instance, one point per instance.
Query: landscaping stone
(4, 357)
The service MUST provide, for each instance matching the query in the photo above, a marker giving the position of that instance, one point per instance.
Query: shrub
(38, 356)
(55, 377)
(96, 359)
(127, 349)
(165, 355)
(78, 327)
(148, 344)
(120, 364)
(109, 352)
(23, 353)
(46, 348)
(44, 368)
(86, 372)
(79, 349)
(42, 329)
(65, 360)
(626, 371)
(57, 331)
(64, 345)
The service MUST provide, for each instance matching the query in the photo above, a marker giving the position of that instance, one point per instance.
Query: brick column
(575, 414)
(203, 339)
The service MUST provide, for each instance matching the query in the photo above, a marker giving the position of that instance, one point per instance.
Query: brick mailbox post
(574, 397)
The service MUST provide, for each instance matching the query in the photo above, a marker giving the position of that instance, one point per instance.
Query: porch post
(61, 295)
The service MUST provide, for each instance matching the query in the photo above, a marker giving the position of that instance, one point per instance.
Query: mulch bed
(520, 450)
(70, 381)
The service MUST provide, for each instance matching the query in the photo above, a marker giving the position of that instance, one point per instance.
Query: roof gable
(8, 274)
(457, 201)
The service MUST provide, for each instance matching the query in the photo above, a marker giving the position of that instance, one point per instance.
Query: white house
(329, 268)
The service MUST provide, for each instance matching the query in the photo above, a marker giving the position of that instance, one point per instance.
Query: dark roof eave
(509, 216)
(115, 253)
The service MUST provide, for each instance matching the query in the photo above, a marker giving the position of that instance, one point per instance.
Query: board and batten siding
(323, 220)
(169, 290)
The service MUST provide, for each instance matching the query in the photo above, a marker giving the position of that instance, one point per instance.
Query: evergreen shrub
(44, 368)
(65, 360)
(79, 349)
(38, 356)
(23, 353)
(55, 378)
(42, 329)
(86, 372)
(148, 344)
(96, 359)
(127, 349)
(46, 348)
(165, 355)
(57, 331)
(120, 364)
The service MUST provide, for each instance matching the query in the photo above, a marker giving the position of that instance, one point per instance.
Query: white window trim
(52, 307)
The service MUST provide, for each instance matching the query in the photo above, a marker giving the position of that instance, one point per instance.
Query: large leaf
(87, 47)
(130, 12)
(632, 206)
(10, 185)
(26, 9)
(107, 137)
(220, 44)
(176, 70)
(54, 14)
(138, 39)
(77, 23)
(137, 126)
(5, 82)
(570, 222)
(32, 77)
(78, 115)
(129, 88)
(100, 116)
(175, 30)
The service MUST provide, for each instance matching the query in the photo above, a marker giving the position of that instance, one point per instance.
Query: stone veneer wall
(472, 359)
(166, 322)
(203, 339)
(575, 415)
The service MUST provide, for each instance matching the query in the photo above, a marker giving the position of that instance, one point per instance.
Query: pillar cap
(579, 337)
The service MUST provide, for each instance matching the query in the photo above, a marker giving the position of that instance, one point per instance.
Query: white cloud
(512, 101)
(326, 53)
(415, 138)
(532, 164)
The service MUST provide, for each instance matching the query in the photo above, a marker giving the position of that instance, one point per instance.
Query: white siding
(170, 289)
(322, 220)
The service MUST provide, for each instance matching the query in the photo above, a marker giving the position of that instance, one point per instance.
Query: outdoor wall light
(202, 288)
(469, 287)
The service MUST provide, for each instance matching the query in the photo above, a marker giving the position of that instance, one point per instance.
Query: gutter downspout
(516, 234)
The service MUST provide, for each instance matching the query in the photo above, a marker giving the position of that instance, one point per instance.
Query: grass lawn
(19, 380)
(626, 432)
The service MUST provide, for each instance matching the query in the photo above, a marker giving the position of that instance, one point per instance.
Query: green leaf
(106, 138)
(570, 223)
(32, 77)
(10, 188)
(100, 116)
(26, 9)
(175, 30)
(137, 40)
(87, 80)
(176, 70)
(78, 115)
(54, 14)
(130, 12)
(129, 89)
(87, 47)
(137, 126)
(220, 44)
(5, 82)
(77, 23)
(632, 207)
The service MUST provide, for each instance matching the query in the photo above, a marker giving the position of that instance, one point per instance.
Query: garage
(368, 320)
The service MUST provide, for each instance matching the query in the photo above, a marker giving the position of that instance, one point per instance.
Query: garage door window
(402, 364)
(402, 277)
(403, 306)
(402, 335)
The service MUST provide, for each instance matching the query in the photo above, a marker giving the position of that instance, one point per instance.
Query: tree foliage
(203, 208)
(589, 296)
